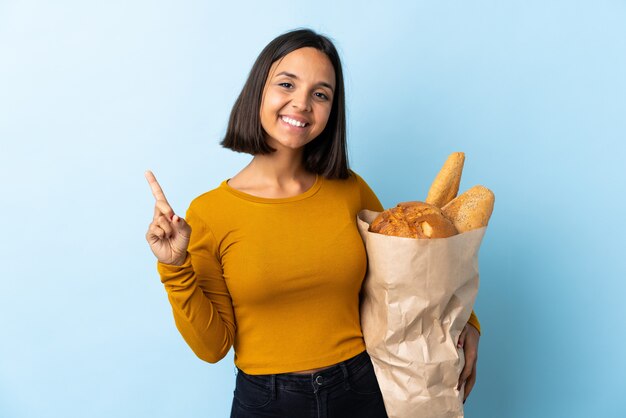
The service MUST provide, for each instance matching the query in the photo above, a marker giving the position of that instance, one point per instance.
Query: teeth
(293, 122)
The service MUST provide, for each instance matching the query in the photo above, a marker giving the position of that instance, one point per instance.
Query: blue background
(94, 93)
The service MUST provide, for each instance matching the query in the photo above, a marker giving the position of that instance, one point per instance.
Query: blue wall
(94, 93)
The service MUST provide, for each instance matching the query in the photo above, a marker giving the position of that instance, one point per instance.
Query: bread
(413, 220)
(470, 210)
(458, 214)
(446, 184)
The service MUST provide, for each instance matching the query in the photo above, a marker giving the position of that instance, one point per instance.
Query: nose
(301, 101)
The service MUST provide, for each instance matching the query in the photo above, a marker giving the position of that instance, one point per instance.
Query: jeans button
(319, 380)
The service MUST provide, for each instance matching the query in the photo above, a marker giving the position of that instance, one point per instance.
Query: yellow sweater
(278, 278)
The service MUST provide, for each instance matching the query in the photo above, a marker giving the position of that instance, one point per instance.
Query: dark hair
(327, 154)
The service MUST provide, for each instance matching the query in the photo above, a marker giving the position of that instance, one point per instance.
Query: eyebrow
(295, 77)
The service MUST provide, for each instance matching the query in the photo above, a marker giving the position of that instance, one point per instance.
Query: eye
(285, 84)
(321, 95)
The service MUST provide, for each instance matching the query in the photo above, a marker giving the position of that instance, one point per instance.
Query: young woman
(271, 261)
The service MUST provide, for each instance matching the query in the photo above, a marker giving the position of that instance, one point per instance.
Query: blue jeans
(347, 389)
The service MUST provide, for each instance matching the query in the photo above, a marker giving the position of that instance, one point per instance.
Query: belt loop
(346, 376)
(273, 386)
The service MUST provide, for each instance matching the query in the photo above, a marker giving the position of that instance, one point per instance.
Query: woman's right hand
(168, 234)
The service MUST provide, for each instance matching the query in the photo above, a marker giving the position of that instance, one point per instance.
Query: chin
(293, 147)
(284, 144)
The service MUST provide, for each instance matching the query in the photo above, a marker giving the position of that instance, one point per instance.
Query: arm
(473, 320)
(200, 300)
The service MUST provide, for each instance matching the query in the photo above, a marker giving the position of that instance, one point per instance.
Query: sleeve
(369, 200)
(473, 320)
(201, 304)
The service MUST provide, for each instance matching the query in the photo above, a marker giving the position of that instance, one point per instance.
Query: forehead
(309, 64)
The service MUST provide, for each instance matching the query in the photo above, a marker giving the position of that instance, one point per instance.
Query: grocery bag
(417, 296)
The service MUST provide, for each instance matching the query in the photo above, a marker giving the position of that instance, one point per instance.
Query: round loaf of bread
(413, 220)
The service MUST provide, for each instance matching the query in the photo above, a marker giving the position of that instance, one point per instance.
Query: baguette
(446, 185)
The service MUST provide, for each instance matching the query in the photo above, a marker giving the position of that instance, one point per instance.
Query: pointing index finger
(157, 192)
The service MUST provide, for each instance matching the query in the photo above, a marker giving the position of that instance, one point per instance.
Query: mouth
(294, 122)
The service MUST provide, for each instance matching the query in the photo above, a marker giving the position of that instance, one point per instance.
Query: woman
(271, 261)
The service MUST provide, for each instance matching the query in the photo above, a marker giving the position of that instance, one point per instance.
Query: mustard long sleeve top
(279, 279)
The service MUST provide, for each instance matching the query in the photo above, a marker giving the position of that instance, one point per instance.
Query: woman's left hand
(469, 341)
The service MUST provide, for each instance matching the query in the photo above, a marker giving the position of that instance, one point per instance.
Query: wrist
(178, 261)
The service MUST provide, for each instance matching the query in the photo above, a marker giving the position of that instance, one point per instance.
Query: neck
(282, 166)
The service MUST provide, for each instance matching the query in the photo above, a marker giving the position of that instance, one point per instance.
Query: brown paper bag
(418, 295)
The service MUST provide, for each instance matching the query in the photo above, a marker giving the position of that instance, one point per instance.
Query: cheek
(269, 111)
(324, 115)
(272, 104)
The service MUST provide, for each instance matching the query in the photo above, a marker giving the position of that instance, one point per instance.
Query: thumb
(178, 221)
(461, 342)
(180, 224)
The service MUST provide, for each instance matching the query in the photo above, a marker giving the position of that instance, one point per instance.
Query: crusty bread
(446, 185)
(470, 210)
(413, 220)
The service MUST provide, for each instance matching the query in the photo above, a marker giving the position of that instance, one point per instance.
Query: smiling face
(297, 98)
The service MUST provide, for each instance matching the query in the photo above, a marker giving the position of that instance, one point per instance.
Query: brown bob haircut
(325, 155)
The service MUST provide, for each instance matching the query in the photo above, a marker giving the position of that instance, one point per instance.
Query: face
(297, 98)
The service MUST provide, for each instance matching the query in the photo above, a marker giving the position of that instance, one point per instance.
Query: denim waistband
(304, 382)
